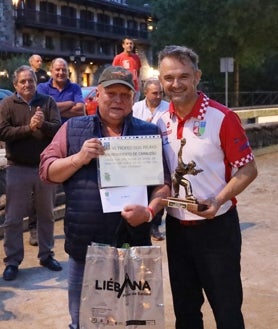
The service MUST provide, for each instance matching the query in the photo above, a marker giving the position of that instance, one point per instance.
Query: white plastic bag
(122, 288)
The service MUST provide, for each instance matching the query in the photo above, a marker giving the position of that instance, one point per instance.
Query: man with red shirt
(131, 62)
(203, 247)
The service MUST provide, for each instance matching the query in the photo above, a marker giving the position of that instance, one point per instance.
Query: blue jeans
(75, 279)
(206, 257)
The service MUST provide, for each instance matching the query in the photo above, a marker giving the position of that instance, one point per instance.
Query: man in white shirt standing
(150, 109)
(152, 106)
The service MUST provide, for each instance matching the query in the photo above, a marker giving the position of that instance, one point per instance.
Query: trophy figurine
(178, 179)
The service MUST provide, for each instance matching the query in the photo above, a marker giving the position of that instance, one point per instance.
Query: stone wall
(262, 135)
(6, 22)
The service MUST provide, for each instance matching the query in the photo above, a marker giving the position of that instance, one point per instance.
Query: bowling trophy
(178, 179)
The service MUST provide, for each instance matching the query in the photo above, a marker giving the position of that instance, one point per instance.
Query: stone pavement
(38, 298)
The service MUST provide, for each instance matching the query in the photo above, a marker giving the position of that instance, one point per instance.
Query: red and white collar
(198, 111)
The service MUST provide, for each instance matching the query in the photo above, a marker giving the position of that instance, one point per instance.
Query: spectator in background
(35, 62)
(152, 106)
(68, 95)
(150, 109)
(130, 61)
(28, 122)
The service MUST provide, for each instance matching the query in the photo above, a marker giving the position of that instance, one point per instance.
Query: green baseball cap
(116, 74)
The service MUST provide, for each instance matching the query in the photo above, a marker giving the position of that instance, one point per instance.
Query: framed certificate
(131, 160)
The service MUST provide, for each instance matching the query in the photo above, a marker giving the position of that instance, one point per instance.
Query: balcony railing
(39, 19)
(247, 98)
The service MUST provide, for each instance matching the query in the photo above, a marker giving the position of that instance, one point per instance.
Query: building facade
(86, 33)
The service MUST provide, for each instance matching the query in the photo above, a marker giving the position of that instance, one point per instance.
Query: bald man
(68, 95)
(35, 62)
(150, 109)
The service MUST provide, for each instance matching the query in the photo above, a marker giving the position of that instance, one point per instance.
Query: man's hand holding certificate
(130, 162)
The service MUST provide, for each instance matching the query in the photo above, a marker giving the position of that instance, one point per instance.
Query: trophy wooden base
(189, 205)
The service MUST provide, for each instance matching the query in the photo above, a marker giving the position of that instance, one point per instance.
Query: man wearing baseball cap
(71, 159)
(116, 75)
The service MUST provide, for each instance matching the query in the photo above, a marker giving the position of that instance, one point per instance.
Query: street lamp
(78, 58)
(150, 24)
(15, 3)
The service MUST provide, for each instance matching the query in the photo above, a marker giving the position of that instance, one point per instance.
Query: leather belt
(192, 222)
(188, 222)
(201, 221)
(10, 162)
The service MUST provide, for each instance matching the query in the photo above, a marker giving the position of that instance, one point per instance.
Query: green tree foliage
(10, 65)
(243, 29)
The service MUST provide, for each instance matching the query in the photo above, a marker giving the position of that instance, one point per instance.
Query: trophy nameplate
(183, 203)
(190, 202)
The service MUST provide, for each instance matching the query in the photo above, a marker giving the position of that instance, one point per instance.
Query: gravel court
(38, 298)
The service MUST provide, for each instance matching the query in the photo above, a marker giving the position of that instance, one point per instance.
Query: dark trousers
(32, 220)
(206, 258)
(22, 184)
(157, 220)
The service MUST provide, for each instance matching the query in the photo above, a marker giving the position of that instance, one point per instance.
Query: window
(87, 20)
(119, 25)
(143, 27)
(89, 46)
(131, 24)
(67, 44)
(26, 40)
(30, 4)
(49, 42)
(103, 47)
(48, 12)
(68, 16)
(132, 28)
(103, 23)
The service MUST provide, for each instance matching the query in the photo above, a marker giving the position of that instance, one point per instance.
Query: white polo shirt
(215, 140)
(141, 110)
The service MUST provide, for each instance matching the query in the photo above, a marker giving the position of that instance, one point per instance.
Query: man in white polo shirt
(153, 105)
(150, 109)
(203, 247)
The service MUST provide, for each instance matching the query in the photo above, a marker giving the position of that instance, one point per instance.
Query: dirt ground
(38, 298)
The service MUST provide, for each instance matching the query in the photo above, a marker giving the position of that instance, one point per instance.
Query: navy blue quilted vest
(84, 220)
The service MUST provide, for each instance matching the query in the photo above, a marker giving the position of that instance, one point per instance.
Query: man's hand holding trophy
(178, 179)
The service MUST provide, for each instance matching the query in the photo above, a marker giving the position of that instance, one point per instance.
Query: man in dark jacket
(28, 122)
(71, 159)
(35, 62)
